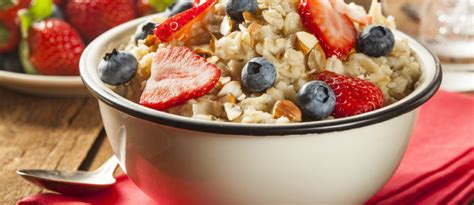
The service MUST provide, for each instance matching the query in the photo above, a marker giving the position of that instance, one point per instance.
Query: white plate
(57, 86)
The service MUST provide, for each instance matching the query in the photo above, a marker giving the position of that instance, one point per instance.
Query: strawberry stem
(4, 34)
(108, 56)
(24, 53)
(38, 11)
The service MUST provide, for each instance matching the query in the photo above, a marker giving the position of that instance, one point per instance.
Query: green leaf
(161, 5)
(6, 4)
(4, 34)
(41, 9)
(24, 53)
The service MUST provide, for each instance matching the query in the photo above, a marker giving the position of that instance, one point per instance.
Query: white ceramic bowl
(179, 160)
(58, 86)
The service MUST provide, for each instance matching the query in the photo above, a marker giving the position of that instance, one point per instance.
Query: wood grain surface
(46, 133)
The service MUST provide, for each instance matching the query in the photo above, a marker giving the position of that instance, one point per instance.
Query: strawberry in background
(9, 30)
(50, 46)
(146, 7)
(93, 17)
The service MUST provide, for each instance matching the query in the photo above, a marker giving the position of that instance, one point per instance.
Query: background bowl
(59, 86)
(179, 160)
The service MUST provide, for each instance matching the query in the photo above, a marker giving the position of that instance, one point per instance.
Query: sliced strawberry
(334, 30)
(177, 75)
(185, 25)
(353, 95)
(355, 12)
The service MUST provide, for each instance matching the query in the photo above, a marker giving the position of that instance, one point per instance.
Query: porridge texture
(276, 32)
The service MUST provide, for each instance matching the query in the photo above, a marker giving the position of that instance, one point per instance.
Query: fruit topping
(355, 12)
(375, 41)
(93, 17)
(316, 99)
(117, 67)
(143, 31)
(235, 8)
(335, 31)
(177, 75)
(353, 95)
(258, 74)
(182, 26)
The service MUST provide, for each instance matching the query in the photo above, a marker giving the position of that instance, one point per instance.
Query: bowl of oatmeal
(262, 103)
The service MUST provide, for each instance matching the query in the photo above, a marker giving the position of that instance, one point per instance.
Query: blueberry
(57, 13)
(117, 67)
(180, 6)
(316, 99)
(258, 74)
(144, 30)
(375, 41)
(235, 8)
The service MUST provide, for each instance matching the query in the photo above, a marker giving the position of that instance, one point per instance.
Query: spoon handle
(109, 166)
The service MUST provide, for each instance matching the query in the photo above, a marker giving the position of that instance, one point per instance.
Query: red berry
(144, 8)
(9, 30)
(55, 47)
(58, 2)
(355, 12)
(335, 31)
(177, 75)
(9, 35)
(93, 17)
(353, 95)
(182, 26)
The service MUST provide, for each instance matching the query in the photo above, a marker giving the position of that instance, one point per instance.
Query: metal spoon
(73, 182)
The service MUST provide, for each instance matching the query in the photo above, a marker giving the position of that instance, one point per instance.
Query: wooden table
(47, 133)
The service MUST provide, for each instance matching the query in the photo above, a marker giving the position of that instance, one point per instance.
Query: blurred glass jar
(406, 13)
(447, 27)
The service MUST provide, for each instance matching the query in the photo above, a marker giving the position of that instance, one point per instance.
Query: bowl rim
(43, 79)
(104, 94)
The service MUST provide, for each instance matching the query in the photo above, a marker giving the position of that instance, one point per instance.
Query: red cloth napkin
(438, 166)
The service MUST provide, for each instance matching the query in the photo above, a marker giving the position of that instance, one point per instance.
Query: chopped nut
(204, 52)
(212, 43)
(233, 111)
(224, 80)
(226, 26)
(254, 28)
(229, 98)
(233, 87)
(213, 59)
(317, 59)
(286, 108)
(249, 17)
(305, 42)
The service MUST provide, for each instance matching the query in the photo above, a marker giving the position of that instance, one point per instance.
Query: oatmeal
(275, 62)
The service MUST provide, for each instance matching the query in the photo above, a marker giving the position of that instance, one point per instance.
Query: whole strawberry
(9, 29)
(353, 95)
(93, 17)
(9, 35)
(55, 47)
